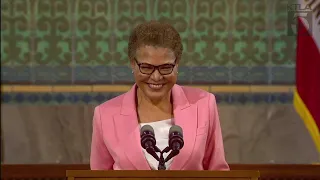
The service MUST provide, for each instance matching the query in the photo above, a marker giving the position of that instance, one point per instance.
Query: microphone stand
(162, 165)
(162, 161)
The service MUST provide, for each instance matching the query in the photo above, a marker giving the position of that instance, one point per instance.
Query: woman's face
(155, 83)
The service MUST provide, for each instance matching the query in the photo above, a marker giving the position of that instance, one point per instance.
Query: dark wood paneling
(57, 171)
(282, 171)
(39, 170)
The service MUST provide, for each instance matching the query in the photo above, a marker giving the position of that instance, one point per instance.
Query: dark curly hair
(154, 33)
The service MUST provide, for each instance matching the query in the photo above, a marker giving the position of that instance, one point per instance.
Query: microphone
(176, 138)
(176, 142)
(148, 141)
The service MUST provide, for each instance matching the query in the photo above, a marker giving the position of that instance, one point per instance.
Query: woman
(154, 51)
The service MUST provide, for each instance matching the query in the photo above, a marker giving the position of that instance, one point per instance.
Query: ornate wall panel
(85, 41)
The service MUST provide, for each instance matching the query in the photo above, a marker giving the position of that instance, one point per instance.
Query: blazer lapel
(128, 129)
(128, 132)
(185, 116)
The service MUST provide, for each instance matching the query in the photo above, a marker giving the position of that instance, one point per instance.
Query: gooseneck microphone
(175, 141)
(148, 141)
(176, 138)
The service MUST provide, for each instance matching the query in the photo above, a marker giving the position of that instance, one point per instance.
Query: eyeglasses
(164, 69)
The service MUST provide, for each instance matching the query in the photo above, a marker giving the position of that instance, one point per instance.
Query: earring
(131, 72)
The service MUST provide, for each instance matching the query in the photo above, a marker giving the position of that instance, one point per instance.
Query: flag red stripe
(308, 72)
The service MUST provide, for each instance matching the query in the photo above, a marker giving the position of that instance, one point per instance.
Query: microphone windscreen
(146, 128)
(176, 128)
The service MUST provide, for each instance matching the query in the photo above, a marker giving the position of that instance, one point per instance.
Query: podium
(161, 175)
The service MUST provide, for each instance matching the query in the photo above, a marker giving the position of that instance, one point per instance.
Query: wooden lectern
(163, 175)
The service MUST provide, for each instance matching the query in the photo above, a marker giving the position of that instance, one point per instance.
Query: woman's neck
(164, 104)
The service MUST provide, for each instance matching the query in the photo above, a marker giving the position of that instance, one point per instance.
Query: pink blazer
(116, 133)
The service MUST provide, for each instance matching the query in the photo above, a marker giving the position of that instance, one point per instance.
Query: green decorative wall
(72, 42)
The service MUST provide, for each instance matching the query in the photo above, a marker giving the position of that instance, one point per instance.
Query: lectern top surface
(163, 174)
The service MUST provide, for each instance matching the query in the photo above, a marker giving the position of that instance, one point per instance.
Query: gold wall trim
(124, 88)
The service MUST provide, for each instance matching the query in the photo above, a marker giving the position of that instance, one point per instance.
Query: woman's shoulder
(112, 104)
(196, 93)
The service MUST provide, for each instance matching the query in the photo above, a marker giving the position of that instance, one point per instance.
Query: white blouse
(161, 131)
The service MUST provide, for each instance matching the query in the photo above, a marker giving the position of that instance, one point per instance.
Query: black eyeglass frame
(156, 67)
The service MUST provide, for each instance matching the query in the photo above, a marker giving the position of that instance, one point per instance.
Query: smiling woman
(155, 73)
(154, 51)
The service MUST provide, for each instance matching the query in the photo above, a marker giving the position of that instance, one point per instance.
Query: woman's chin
(155, 95)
